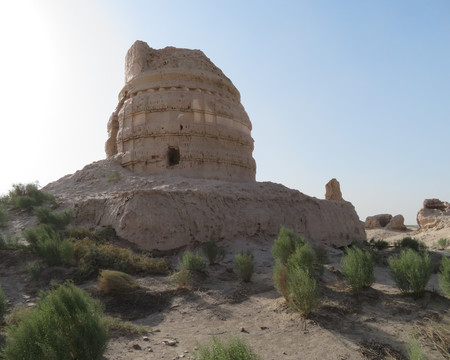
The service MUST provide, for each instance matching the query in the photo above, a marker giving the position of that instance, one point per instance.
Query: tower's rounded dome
(179, 113)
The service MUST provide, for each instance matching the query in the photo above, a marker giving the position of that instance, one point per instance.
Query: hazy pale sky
(356, 90)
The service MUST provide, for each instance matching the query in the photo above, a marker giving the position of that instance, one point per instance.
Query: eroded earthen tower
(179, 114)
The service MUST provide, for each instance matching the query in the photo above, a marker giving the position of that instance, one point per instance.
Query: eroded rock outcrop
(163, 212)
(386, 221)
(333, 190)
(179, 114)
(434, 214)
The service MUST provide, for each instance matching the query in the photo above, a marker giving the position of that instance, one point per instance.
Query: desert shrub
(411, 243)
(57, 220)
(280, 279)
(444, 275)
(47, 243)
(183, 278)
(116, 282)
(302, 289)
(118, 327)
(379, 244)
(3, 305)
(10, 242)
(443, 243)
(244, 265)
(92, 256)
(234, 348)
(33, 269)
(436, 333)
(411, 271)
(4, 216)
(305, 258)
(65, 325)
(357, 268)
(213, 252)
(285, 245)
(27, 196)
(192, 262)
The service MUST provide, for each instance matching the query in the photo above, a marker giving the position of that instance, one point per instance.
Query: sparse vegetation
(436, 333)
(244, 265)
(9, 242)
(443, 243)
(3, 305)
(116, 282)
(357, 268)
(92, 256)
(192, 262)
(183, 278)
(303, 292)
(444, 275)
(57, 220)
(285, 245)
(411, 271)
(47, 243)
(234, 348)
(415, 352)
(33, 270)
(379, 244)
(213, 252)
(113, 177)
(65, 325)
(117, 327)
(321, 254)
(411, 243)
(28, 196)
(4, 216)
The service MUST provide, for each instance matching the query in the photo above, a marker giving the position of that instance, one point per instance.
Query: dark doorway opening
(173, 155)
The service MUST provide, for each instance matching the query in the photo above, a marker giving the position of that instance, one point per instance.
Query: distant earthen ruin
(179, 114)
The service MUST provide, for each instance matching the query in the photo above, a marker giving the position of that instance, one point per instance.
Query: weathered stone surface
(333, 190)
(434, 214)
(397, 223)
(377, 221)
(162, 212)
(179, 114)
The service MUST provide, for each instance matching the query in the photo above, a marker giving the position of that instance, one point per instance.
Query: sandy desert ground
(373, 325)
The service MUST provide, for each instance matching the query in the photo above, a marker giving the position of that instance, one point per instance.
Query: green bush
(3, 305)
(411, 243)
(4, 216)
(65, 325)
(57, 220)
(47, 243)
(280, 279)
(213, 252)
(10, 242)
(443, 243)
(379, 244)
(28, 196)
(305, 258)
(192, 262)
(357, 268)
(233, 349)
(411, 271)
(444, 275)
(302, 289)
(244, 264)
(285, 245)
(116, 282)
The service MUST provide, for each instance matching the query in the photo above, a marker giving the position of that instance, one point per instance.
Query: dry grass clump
(437, 334)
(234, 348)
(118, 327)
(116, 282)
(91, 256)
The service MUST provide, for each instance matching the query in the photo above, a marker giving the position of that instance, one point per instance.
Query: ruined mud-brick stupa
(179, 114)
(180, 149)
